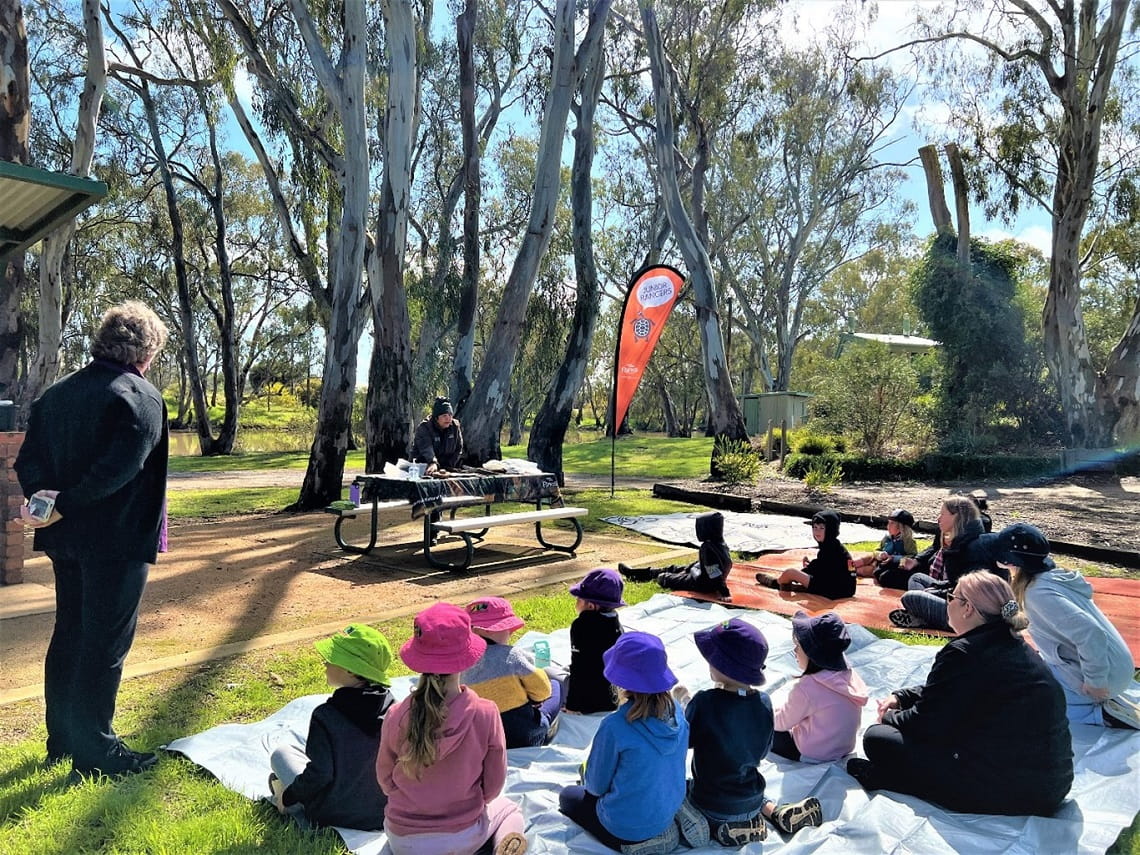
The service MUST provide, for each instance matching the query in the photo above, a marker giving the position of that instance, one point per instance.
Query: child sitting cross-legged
(527, 699)
(730, 732)
(332, 781)
(443, 758)
(819, 719)
(634, 779)
(592, 633)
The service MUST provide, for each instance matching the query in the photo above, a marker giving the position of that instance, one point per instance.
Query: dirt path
(256, 580)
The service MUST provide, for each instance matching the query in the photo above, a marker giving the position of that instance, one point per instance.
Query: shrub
(930, 466)
(823, 472)
(735, 461)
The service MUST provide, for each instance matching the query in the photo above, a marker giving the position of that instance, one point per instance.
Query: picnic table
(429, 498)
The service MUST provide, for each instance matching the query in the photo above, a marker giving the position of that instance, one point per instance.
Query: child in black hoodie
(332, 780)
(708, 574)
(830, 573)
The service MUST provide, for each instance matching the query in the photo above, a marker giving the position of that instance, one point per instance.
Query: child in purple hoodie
(819, 719)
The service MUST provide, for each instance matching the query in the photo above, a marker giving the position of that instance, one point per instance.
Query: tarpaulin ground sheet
(1104, 799)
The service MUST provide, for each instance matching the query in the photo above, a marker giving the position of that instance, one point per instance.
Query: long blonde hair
(643, 705)
(964, 511)
(426, 715)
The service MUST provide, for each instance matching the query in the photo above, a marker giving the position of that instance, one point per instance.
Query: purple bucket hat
(602, 586)
(736, 649)
(637, 663)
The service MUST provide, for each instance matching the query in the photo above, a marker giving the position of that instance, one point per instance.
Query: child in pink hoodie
(819, 719)
(443, 755)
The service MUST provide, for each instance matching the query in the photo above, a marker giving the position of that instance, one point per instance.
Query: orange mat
(1119, 599)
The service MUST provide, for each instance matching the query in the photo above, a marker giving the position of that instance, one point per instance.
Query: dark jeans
(529, 725)
(784, 745)
(582, 807)
(96, 610)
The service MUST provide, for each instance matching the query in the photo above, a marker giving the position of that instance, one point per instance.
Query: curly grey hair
(130, 333)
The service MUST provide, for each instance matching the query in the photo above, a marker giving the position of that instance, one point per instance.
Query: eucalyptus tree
(51, 32)
(1032, 108)
(15, 116)
(711, 42)
(325, 128)
(483, 414)
(803, 190)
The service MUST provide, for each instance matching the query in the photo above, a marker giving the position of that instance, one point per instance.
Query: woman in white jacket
(1079, 644)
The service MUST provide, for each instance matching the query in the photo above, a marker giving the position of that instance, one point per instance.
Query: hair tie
(1009, 609)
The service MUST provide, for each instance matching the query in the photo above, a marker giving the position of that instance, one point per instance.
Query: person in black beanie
(438, 440)
(829, 574)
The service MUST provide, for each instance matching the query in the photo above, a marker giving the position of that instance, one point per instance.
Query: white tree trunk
(483, 415)
(724, 411)
(45, 368)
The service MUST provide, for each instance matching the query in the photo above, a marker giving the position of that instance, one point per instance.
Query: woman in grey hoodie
(1083, 649)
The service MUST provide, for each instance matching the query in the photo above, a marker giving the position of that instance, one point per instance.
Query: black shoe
(637, 574)
(768, 581)
(905, 620)
(120, 760)
(864, 772)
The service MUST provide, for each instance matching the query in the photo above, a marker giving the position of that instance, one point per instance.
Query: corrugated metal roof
(35, 201)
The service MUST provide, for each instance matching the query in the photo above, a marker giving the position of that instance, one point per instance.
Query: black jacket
(99, 436)
(989, 727)
(973, 549)
(715, 561)
(339, 786)
(445, 447)
(592, 633)
(830, 570)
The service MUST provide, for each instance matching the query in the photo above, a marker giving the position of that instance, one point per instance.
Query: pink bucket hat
(493, 614)
(442, 641)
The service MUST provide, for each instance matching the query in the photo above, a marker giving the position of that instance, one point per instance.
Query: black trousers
(96, 611)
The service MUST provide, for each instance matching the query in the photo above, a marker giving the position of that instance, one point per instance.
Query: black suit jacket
(99, 437)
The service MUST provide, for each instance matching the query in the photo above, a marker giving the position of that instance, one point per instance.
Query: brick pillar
(11, 497)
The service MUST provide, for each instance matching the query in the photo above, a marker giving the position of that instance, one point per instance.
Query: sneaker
(768, 581)
(120, 760)
(791, 818)
(905, 620)
(552, 730)
(864, 772)
(1121, 711)
(693, 825)
(724, 593)
(739, 832)
(513, 844)
(662, 844)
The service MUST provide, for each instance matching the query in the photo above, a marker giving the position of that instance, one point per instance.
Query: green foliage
(866, 394)
(823, 472)
(937, 466)
(736, 460)
(808, 440)
(990, 372)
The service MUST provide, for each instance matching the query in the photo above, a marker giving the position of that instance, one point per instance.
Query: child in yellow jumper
(527, 699)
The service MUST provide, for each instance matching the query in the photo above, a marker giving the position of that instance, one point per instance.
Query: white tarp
(1104, 799)
(743, 532)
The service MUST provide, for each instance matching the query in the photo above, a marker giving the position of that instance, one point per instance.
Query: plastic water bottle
(354, 493)
(541, 654)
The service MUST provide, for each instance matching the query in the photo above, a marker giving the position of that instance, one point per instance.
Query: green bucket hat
(359, 649)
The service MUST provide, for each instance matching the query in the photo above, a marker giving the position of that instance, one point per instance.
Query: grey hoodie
(1075, 638)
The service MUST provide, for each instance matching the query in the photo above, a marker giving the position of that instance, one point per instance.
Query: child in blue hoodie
(634, 780)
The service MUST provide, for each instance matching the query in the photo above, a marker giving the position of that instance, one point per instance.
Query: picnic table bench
(430, 498)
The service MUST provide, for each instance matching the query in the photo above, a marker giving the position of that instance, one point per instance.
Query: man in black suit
(97, 444)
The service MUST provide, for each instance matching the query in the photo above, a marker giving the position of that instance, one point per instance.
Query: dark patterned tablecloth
(426, 493)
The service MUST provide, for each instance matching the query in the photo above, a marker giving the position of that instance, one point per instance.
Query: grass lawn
(178, 808)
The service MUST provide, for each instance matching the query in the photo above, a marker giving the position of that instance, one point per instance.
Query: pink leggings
(500, 818)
